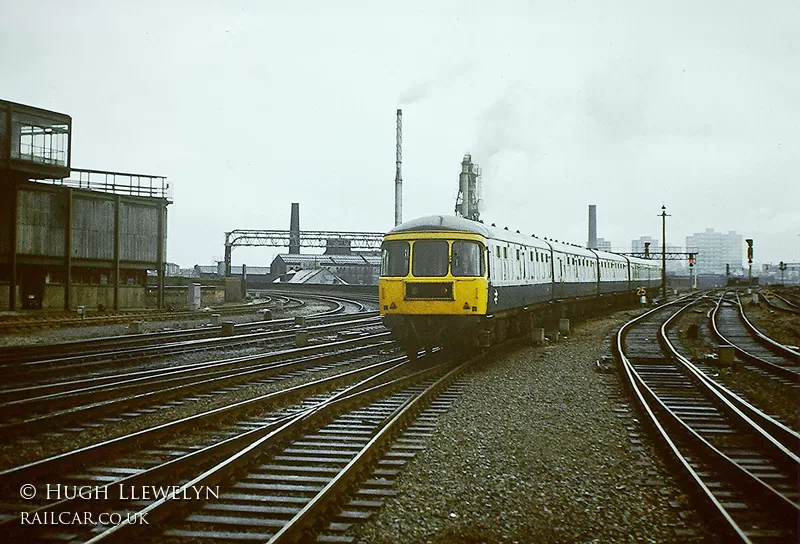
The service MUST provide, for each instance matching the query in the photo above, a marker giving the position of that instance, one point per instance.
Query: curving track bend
(739, 459)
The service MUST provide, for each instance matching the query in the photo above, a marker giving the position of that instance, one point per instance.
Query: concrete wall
(92, 228)
(4, 295)
(138, 237)
(5, 225)
(53, 296)
(343, 290)
(41, 221)
(130, 296)
(233, 290)
(177, 296)
(42, 217)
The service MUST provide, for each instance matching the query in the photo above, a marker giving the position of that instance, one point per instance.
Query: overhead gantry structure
(333, 241)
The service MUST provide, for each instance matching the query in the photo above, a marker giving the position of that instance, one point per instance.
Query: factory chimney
(592, 244)
(398, 177)
(462, 208)
(294, 230)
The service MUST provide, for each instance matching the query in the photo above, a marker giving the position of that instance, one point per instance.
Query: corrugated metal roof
(315, 275)
(330, 260)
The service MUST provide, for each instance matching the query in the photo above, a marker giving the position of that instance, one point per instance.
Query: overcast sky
(249, 106)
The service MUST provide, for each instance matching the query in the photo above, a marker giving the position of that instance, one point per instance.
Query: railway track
(13, 324)
(180, 436)
(730, 325)
(740, 460)
(292, 466)
(105, 345)
(87, 403)
(94, 365)
(782, 303)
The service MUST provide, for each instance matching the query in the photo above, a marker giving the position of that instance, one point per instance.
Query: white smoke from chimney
(505, 126)
(448, 74)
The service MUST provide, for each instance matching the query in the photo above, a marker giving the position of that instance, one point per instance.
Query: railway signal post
(664, 252)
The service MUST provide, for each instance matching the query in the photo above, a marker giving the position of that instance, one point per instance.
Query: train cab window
(467, 259)
(430, 258)
(498, 252)
(394, 259)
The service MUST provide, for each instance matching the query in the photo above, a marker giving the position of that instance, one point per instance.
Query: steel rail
(769, 343)
(777, 437)
(296, 529)
(200, 459)
(37, 352)
(112, 358)
(645, 397)
(163, 507)
(43, 467)
(142, 393)
(51, 390)
(777, 370)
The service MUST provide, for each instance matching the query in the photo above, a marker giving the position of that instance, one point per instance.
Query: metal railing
(118, 183)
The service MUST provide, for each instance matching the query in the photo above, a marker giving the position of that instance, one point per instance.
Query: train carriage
(449, 281)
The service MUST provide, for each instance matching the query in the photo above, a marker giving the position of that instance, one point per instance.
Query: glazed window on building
(38, 139)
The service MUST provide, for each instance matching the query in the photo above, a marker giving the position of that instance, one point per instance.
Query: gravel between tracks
(540, 448)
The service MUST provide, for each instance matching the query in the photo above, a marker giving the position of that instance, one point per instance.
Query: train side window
(505, 253)
(517, 254)
(394, 259)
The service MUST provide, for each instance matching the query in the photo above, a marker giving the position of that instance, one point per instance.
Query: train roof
(442, 222)
(460, 224)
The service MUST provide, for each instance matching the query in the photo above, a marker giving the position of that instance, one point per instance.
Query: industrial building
(355, 269)
(73, 237)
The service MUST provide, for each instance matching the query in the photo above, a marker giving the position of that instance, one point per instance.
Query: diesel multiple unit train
(452, 282)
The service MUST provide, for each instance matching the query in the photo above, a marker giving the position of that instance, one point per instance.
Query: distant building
(316, 276)
(654, 248)
(257, 276)
(603, 245)
(355, 269)
(637, 246)
(715, 250)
